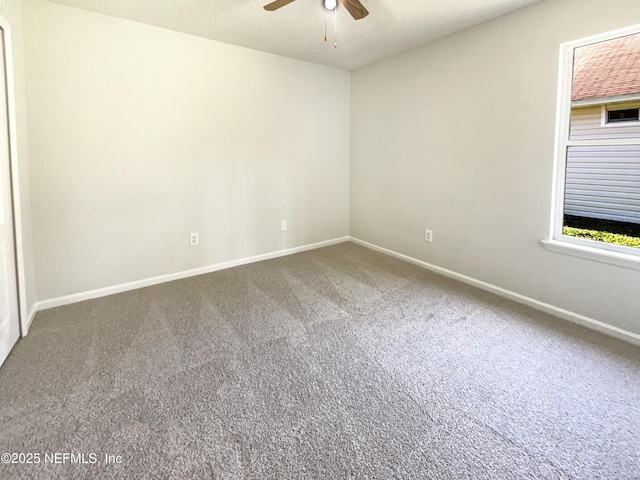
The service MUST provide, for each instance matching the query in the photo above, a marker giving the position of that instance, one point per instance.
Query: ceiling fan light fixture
(330, 4)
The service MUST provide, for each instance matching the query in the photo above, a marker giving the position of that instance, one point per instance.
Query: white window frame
(628, 257)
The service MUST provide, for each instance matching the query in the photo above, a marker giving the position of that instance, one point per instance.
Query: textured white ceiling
(297, 30)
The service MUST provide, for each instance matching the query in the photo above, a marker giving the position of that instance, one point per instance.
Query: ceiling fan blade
(355, 8)
(277, 4)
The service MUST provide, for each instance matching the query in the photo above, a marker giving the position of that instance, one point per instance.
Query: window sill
(595, 254)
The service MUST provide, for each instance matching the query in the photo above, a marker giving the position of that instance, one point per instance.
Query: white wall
(12, 13)
(458, 136)
(139, 136)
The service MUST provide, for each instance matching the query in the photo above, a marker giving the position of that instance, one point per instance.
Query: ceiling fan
(354, 7)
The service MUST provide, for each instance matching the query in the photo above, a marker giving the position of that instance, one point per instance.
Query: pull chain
(335, 26)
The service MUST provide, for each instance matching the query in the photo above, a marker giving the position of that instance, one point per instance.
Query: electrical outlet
(283, 225)
(193, 239)
(428, 235)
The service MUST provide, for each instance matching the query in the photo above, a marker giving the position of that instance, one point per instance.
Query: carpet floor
(336, 363)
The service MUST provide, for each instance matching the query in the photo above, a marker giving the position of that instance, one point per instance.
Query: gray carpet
(329, 364)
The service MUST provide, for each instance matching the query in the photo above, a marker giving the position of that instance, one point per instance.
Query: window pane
(603, 189)
(606, 73)
(628, 115)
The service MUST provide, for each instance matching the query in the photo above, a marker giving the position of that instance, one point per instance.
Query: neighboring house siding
(603, 182)
(586, 124)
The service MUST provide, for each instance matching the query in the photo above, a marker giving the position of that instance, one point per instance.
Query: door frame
(25, 319)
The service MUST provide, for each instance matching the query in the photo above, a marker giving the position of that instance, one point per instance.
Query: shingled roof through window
(607, 69)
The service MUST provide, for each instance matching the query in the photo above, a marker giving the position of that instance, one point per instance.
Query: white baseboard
(147, 282)
(591, 323)
(26, 324)
(536, 304)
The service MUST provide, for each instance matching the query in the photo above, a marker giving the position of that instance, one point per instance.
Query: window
(597, 182)
(626, 115)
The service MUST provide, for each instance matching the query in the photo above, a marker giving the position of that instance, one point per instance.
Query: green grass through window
(600, 236)
(609, 231)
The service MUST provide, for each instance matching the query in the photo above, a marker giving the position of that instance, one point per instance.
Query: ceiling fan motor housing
(354, 7)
